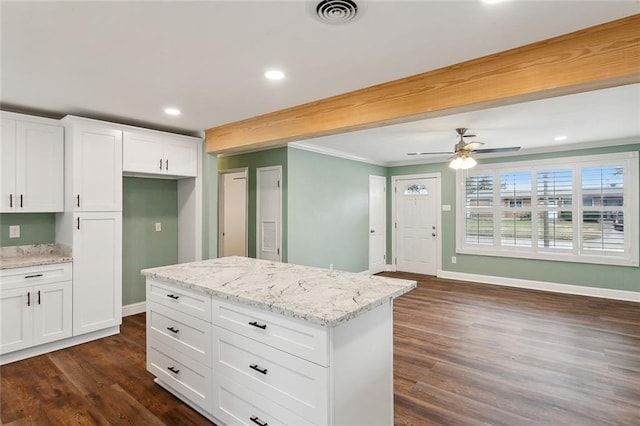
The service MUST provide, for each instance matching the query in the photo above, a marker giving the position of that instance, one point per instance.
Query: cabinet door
(181, 157)
(16, 318)
(40, 167)
(52, 312)
(97, 271)
(97, 169)
(142, 153)
(8, 163)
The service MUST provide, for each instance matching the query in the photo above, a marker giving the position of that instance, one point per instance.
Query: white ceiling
(126, 61)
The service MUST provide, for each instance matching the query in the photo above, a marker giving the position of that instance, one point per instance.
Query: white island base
(237, 363)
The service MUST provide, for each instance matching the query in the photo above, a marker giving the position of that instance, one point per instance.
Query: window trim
(630, 256)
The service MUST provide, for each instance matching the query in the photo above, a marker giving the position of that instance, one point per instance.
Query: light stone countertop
(315, 295)
(34, 255)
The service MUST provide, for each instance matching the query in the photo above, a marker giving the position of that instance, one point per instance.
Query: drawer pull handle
(173, 296)
(255, 324)
(257, 421)
(39, 302)
(173, 370)
(258, 369)
(33, 276)
(173, 330)
(28, 298)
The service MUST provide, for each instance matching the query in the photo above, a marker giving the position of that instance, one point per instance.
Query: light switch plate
(14, 231)
(446, 207)
(158, 227)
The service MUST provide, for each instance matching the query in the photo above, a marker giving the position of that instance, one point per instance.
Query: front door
(233, 214)
(416, 209)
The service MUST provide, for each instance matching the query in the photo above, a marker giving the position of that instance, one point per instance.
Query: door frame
(221, 174)
(258, 211)
(394, 217)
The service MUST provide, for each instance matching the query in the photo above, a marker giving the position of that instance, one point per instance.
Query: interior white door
(416, 225)
(377, 224)
(269, 213)
(234, 214)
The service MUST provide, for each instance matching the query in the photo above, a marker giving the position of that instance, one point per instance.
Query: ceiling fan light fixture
(462, 162)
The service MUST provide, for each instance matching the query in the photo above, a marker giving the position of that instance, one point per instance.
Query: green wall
(329, 210)
(252, 161)
(583, 274)
(35, 228)
(145, 202)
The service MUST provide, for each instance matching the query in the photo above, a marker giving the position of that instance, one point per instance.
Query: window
(416, 189)
(537, 209)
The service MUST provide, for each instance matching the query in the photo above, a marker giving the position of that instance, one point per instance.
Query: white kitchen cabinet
(179, 344)
(35, 306)
(159, 154)
(93, 166)
(262, 367)
(32, 158)
(97, 271)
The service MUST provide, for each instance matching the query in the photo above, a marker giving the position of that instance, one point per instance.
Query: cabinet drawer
(190, 302)
(299, 385)
(235, 404)
(307, 341)
(34, 275)
(187, 335)
(190, 378)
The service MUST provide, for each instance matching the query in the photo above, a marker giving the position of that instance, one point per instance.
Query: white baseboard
(57, 345)
(134, 308)
(605, 293)
(390, 268)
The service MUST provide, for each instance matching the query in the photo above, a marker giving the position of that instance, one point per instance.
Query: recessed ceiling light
(560, 138)
(172, 111)
(274, 75)
(492, 1)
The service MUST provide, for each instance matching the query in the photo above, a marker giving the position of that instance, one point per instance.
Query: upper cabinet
(93, 166)
(32, 159)
(159, 154)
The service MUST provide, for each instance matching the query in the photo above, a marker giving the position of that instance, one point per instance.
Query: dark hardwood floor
(465, 354)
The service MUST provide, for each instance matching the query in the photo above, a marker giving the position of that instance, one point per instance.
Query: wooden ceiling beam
(603, 56)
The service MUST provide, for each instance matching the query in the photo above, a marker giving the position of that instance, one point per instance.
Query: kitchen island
(246, 341)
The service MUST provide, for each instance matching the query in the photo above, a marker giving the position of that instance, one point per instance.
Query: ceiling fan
(461, 158)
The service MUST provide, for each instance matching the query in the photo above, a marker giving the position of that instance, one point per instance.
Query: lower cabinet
(35, 306)
(97, 270)
(240, 365)
(179, 342)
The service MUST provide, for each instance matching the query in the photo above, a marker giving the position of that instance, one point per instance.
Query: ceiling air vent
(336, 11)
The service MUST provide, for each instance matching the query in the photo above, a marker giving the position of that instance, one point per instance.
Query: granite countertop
(34, 255)
(316, 295)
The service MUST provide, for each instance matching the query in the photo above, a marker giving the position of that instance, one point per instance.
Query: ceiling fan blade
(487, 150)
(472, 146)
(469, 136)
(427, 153)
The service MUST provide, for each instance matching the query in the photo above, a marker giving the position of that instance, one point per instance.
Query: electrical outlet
(158, 226)
(331, 266)
(453, 259)
(14, 231)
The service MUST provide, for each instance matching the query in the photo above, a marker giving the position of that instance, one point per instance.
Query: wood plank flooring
(465, 354)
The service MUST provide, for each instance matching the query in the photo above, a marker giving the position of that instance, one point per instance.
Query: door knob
(433, 234)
